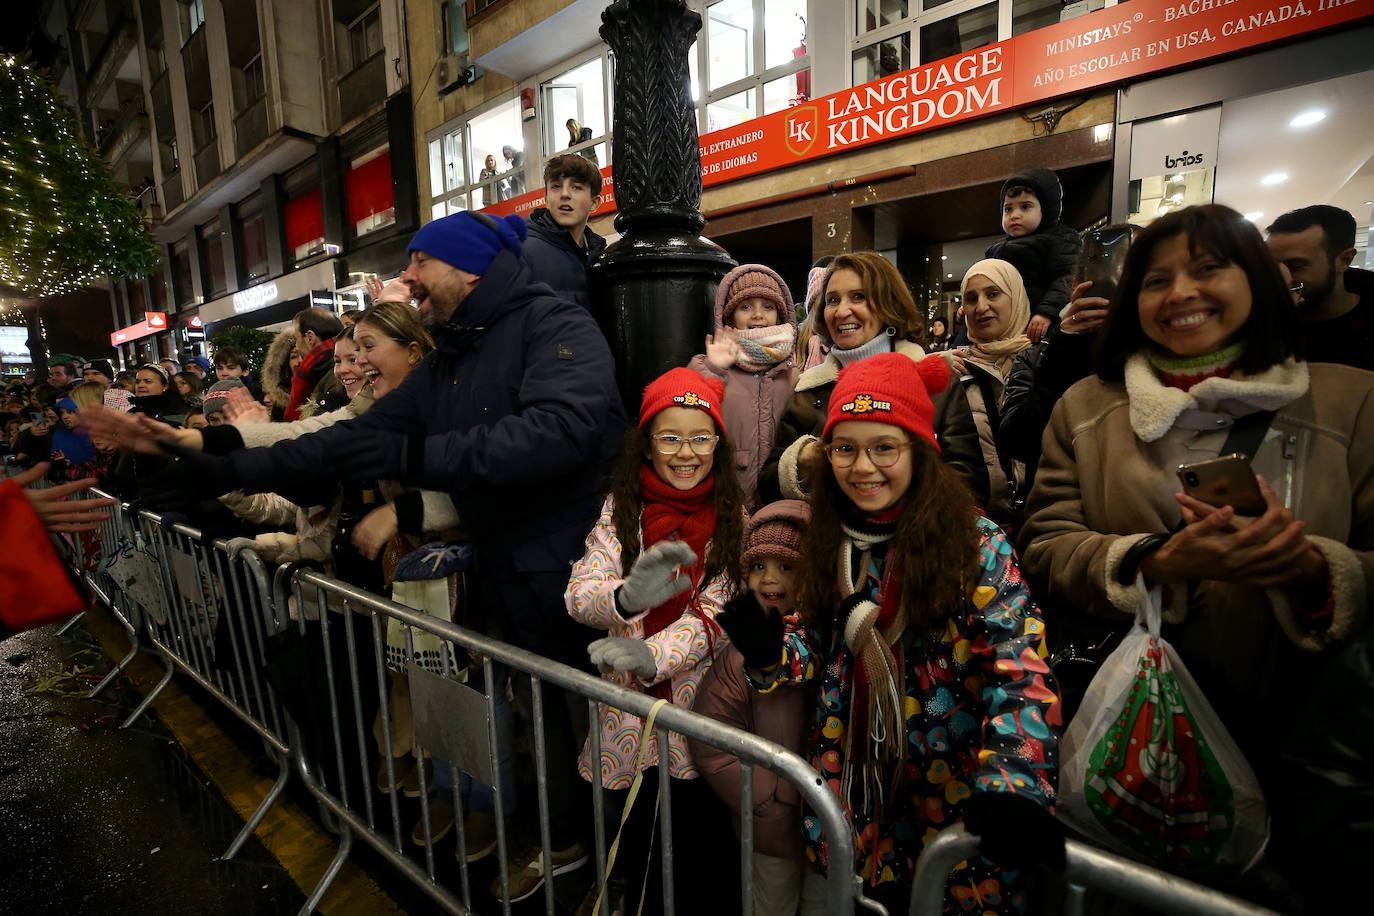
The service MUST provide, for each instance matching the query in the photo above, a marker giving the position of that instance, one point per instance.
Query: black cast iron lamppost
(654, 289)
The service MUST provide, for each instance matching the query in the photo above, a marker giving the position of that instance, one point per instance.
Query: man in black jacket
(560, 246)
(517, 416)
(1317, 245)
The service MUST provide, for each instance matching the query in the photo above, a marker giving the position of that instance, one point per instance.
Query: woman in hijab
(996, 311)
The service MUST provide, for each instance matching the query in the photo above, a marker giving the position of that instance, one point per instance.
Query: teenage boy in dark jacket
(560, 246)
(1042, 249)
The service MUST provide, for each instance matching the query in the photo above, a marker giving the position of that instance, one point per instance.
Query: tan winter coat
(1108, 478)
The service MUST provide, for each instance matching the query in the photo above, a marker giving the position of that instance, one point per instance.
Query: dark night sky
(20, 34)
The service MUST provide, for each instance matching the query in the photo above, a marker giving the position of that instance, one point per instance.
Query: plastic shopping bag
(1149, 770)
(131, 565)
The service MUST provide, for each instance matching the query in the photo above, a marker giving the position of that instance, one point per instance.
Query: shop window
(576, 108)
(882, 58)
(181, 274)
(252, 241)
(480, 160)
(959, 34)
(876, 14)
(212, 275)
(371, 199)
(305, 225)
(730, 33)
(728, 112)
(754, 59)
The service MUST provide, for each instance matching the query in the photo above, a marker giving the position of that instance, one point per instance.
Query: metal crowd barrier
(220, 620)
(1084, 867)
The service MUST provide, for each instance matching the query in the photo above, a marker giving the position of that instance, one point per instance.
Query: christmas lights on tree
(65, 220)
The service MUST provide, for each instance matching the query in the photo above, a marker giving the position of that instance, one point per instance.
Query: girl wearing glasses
(662, 558)
(934, 704)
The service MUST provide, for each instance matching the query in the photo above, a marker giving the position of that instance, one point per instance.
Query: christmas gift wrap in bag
(1149, 770)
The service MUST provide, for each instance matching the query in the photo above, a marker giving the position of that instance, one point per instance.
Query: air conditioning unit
(455, 71)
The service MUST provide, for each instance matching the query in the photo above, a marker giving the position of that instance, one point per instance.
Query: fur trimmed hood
(277, 364)
(1156, 407)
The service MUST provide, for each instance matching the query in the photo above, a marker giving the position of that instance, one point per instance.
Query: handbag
(1148, 768)
(430, 579)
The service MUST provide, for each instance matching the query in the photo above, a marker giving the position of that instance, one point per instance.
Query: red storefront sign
(1100, 49)
(152, 323)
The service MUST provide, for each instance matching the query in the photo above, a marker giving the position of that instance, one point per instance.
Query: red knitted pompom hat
(890, 388)
(683, 388)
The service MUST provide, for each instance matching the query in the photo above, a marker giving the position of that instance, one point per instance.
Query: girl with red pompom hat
(934, 702)
(659, 563)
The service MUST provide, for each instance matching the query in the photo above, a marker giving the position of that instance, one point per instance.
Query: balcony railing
(172, 196)
(207, 162)
(250, 127)
(362, 88)
(132, 125)
(107, 61)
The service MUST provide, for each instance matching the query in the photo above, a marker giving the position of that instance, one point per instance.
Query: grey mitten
(623, 653)
(654, 579)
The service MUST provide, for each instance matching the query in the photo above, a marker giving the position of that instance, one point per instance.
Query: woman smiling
(1198, 359)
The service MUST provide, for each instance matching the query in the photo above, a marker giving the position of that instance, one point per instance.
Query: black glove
(755, 631)
(189, 476)
(1014, 831)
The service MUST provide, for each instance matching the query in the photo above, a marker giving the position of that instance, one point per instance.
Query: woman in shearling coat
(1200, 340)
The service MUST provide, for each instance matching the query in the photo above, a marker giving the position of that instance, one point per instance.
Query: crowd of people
(865, 534)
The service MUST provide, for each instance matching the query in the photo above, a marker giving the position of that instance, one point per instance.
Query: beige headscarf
(997, 353)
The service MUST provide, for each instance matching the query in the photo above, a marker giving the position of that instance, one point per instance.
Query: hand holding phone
(1225, 481)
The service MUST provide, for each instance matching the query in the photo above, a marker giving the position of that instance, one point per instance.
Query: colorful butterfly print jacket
(682, 653)
(982, 715)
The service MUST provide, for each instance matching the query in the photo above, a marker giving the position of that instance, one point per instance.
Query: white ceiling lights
(1274, 178)
(1308, 118)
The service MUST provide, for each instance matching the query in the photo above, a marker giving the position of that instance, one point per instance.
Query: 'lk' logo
(803, 124)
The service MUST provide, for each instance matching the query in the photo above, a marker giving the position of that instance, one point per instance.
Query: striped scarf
(760, 349)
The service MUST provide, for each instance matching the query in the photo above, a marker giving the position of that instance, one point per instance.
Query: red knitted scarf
(673, 514)
(305, 376)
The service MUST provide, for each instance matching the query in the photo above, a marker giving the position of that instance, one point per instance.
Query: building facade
(269, 143)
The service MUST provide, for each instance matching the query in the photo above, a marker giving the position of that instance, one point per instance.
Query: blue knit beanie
(469, 242)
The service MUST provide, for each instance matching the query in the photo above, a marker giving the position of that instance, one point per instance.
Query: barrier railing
(1085, 867)
(215, 617)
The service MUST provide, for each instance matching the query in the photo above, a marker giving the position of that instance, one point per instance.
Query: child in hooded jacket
(1041, 248)
(771, 566)
(925, 652)
(751, 351)
(660, 561)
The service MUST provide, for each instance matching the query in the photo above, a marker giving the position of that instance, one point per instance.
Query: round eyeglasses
(882, 454)
(671, 445)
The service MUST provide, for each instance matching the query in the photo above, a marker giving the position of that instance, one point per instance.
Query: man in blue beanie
(516, 415)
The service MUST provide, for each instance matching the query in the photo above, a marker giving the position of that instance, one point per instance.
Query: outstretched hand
(655, 576)
(57, 513)
(125, 430)
(754, 630)
(722, 349)
(241, 410)
(623, 653)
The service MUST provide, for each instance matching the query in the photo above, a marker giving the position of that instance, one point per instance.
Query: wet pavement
(99, 819)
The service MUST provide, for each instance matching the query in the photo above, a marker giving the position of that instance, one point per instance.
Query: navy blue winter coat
(554, 258)
(516, 415)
